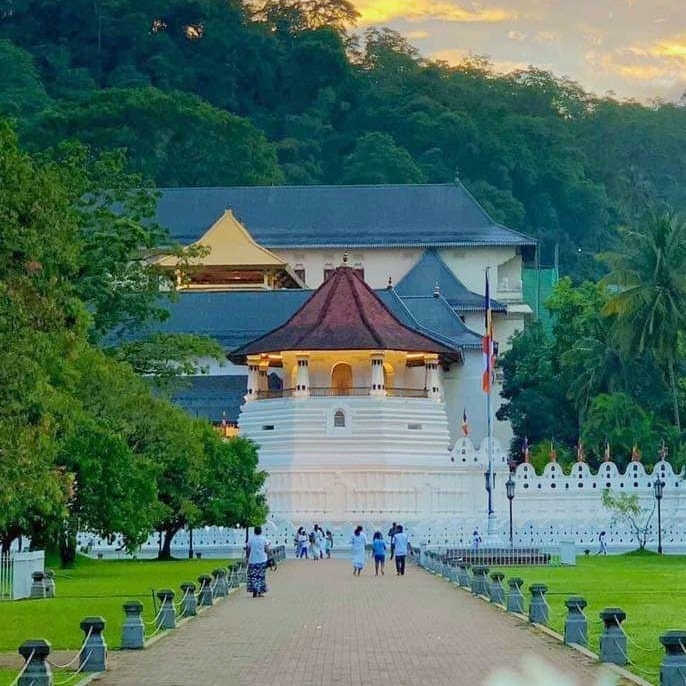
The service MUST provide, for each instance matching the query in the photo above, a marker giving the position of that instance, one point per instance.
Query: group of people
(316, 544)
(399, 549)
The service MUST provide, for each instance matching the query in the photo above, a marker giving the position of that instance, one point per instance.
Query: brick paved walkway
(320, 626)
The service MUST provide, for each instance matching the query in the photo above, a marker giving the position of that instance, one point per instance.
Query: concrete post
(433, 382)
(538, 608)
(38, 585)
(167, 611)
(189, 607)
(253, 379)
(515, 597)
(378, 387)
(94, 654)
(463, 575)
(49, 583)
(673, 667)
(133, 630)
(302, 378)
(205, 593)
(221, 589)
(37, 671)
(613, 640)
(479, 580)
(496, 592)
(576, 626)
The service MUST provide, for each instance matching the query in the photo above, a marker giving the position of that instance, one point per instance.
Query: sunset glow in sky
(636, 48)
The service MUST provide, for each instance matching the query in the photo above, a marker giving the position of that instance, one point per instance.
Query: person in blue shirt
(379, 552)
(402, 548)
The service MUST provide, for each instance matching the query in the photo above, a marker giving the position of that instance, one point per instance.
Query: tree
(22, 92)
(626, 508)
(649, 276)
(377, 159)
(175, 139)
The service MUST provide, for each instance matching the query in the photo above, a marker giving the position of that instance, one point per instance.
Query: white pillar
(263, 379)
(377, 388)
(253, 379)
(302, 377)
(433, 381)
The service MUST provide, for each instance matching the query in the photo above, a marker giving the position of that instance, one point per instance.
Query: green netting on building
(537, 287)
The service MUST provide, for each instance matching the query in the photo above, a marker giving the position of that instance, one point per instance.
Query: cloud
(380, 11)
(516, 35)
(416, 35)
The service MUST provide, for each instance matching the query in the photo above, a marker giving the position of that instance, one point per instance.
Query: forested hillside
(206, 92)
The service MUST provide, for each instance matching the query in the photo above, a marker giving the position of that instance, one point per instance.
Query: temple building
(423, 249)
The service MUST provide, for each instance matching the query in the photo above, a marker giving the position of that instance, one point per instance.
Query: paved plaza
(318, 626)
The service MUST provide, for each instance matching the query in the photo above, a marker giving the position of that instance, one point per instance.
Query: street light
(659, 487)
(510, 490)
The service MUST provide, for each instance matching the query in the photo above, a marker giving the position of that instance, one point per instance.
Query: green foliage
(21, 90)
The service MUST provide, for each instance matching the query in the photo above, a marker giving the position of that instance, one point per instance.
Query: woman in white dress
(359, 547)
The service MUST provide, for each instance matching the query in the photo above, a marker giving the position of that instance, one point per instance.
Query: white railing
(16, 571)
(6, 576)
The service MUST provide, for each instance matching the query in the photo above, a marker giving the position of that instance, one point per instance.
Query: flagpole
(491, 530)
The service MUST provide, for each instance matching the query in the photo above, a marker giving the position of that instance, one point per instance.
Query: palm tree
(648, 284)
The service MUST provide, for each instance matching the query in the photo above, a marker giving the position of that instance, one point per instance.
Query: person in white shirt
(402, 546)
(258, 552)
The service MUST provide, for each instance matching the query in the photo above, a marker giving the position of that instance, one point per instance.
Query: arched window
(388, 376)
(339, 418)
(342, 379)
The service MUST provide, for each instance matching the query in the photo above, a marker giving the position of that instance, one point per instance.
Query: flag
(553, 452)
(580, 456)
(465, 423)
(663, 450)
(606, 454)
(487, 344)
(525, 449)
(635, 453)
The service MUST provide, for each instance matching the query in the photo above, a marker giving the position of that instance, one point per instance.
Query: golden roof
(229, 244)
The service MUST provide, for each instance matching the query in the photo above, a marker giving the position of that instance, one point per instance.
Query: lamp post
(190, 542)
(659, 487)
(510, 490)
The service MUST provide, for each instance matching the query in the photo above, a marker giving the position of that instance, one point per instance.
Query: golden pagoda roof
(229, 244)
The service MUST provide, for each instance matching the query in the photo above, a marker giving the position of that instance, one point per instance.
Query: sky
(633, 48)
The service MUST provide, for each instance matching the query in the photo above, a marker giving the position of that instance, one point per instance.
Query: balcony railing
(328, 392)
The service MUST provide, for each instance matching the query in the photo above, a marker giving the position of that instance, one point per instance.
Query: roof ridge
(372, 330)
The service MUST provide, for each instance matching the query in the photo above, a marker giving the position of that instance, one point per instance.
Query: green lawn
(94, 587)
(651, 589)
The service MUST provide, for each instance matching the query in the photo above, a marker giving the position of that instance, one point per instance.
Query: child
(379, 551)
(329, 544)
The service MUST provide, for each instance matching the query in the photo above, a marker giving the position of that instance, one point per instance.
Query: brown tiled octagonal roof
(344, 313)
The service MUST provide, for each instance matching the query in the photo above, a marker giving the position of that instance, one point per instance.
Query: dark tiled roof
(344, 313)
(338, 216)
(212, 397)
(434, 314)
(432, 270)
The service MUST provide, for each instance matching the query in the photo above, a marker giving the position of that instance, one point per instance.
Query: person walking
(379, 550)
(321, 540)
(402, 545)
(328, 544)
(302, 543)
(391, 534)
(258, 549)
(359, 549)
(603, 544)
(476, 539)
(312, 539)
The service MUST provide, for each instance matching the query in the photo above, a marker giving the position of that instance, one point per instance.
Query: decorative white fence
(15, 573)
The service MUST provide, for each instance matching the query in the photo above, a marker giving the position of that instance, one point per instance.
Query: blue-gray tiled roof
(339, 216)
(432, 270)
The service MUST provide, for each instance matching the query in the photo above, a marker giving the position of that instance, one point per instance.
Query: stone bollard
(515, 597)
(673, 667)
(167, 618)
(496, 592)
(613, 638)
(538, 608)
(37, 671)
(38, 585)
(576, 625)
(463, 578)
(49, 583)
(479, 580)
(93, 657)
(221, 589)
(133, 630)
(189, 606)
(205, 593)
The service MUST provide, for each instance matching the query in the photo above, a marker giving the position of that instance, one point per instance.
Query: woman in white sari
(359, 548)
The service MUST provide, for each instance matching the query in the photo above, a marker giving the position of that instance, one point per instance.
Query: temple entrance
(388, 376)
(342, 378)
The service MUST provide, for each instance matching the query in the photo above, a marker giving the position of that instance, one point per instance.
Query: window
(339, 418)
(267, 427)
(300, 272)
(328, 270)
(414, 427)
(342, 379)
